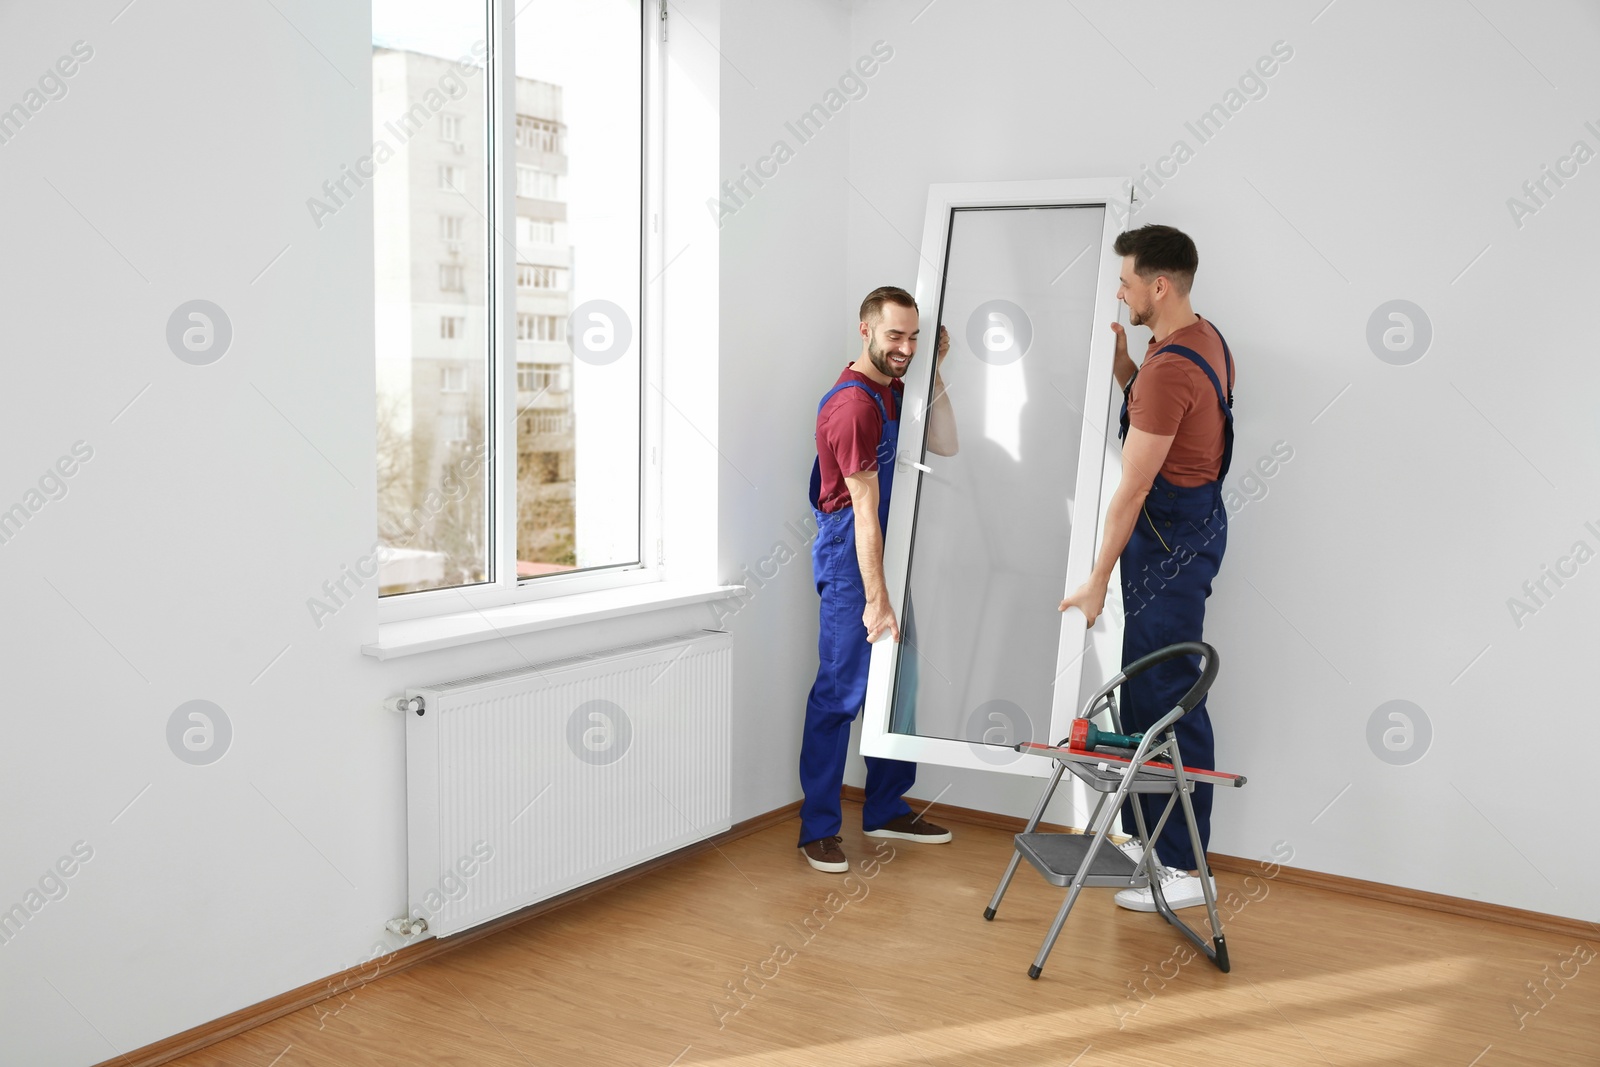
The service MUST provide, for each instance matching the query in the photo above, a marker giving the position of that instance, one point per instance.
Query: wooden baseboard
(1414, 898)
(238, 1022)
(336, 985)
(1334, 883)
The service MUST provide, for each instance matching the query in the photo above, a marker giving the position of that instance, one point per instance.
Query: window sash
(507, 133)
(1090, 491)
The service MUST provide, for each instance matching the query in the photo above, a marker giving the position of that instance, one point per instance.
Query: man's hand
(944, 346)
(1122, 366)
(879, 618)
(1090, 599)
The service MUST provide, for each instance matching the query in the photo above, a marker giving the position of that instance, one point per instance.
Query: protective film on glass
(988, 559)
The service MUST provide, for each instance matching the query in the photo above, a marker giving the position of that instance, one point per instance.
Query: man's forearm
(869, 552)
(1123, 368)
(1120, 518)
(941, 421)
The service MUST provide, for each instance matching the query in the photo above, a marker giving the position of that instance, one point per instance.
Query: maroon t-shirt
(848, 431)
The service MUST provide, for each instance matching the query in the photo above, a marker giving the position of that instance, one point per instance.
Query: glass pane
(989, 547)
(578, 144)
(429, 197)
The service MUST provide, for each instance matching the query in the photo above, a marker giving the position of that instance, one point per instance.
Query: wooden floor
(898, 967)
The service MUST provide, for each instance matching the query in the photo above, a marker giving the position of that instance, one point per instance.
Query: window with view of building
(574, 136)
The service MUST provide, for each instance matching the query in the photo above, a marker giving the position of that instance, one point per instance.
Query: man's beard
(880, 360)
(1137, 317)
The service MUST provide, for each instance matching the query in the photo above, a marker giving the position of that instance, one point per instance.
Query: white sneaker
(1180, 889)
(1132, 849)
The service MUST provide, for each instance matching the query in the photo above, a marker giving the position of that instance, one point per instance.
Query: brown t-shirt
(1173, 398)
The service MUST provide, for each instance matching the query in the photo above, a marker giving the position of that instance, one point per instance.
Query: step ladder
(1075, 861)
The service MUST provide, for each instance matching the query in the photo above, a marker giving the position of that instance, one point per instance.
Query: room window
(570, 478)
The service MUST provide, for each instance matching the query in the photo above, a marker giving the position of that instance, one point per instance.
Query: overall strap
(816, 466)
(873, 393)
(1227, 357)
(1225, 399)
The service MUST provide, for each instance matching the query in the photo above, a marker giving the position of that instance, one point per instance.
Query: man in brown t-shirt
(1166, 522)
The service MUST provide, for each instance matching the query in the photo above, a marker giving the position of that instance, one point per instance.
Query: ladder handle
(1208, 672)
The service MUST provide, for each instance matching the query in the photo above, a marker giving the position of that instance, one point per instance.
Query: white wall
(1378, 563)
(178, 564)
(783, 342)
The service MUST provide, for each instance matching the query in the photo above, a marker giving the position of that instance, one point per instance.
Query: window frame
(504, 587)
(1098, 454)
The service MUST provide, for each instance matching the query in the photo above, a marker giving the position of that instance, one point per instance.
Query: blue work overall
(1172, 556)
(843, 654)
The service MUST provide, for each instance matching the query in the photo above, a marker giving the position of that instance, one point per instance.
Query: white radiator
(527, 783)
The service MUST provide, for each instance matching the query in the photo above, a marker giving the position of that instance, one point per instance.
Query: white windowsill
(409, 636)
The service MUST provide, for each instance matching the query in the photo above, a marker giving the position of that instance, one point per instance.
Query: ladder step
(1059, 856)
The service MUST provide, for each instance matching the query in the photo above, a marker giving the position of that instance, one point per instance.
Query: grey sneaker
(825, 855)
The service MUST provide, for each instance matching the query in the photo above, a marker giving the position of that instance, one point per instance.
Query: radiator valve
(407, 926)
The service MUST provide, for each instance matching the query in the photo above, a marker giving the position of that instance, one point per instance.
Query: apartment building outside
(432, 242)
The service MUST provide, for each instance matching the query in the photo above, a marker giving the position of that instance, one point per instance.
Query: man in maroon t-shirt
(858, 426)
